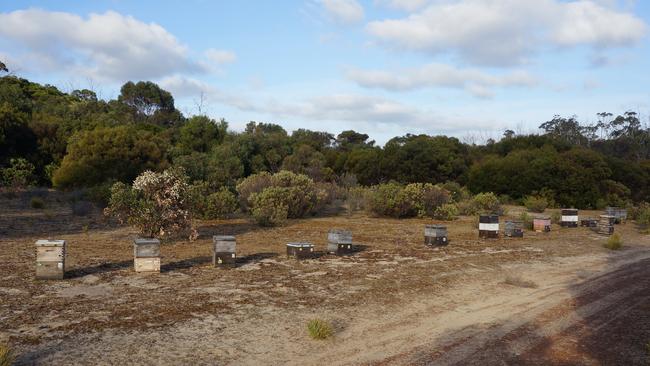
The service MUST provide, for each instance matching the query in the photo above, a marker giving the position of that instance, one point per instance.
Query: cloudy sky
(469, 68)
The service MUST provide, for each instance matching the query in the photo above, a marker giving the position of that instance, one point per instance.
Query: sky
(465, 68)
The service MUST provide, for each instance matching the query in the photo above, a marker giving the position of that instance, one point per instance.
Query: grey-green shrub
(535, 203)
(488, 203)
(220, 204)
(269, 207)
(446, 212)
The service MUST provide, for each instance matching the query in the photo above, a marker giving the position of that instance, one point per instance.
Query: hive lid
(223, 238)
(300, 245)
(340, 231)
(435, 226)
(143, 241)
(50, 243)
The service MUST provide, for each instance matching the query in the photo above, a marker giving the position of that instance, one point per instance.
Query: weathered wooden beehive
(300, 250)
(224, 251)
(620, 214)
(146, 255)
(606, 224)
(50, 259)
(339, 242)
(589, 222)
(435, 235)
(542, 224)
(514, 229)
(569, 218)
(488, 226)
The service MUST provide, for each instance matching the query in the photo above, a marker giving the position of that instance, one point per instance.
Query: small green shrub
(642, 214)
(468, 207)
(527, 220)
(446, 212)
(488, 203)
(269, 207)
(319, 329)
(7, 356)
(220, 204)
(37, 203)
(536, 203)
(556, 217)
(614, 242)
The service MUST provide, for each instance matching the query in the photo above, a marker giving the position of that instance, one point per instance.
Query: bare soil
(555, 298)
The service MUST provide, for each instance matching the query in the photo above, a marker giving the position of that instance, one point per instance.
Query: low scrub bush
(527, 220)
(220, 204)
(255, 183)
(614, 242)
(269, 207)
(7, 357)
(319, 329)
(488, 203)
(556, 217)
(468, 207)
(158, 204)
(416, 199)
(37, 203)
(536, 203)
(446, 212)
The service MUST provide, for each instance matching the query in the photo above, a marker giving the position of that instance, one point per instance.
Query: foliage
(220, 204)
(270, 207)
(535, 203)
(556, 217)
(319, 329)
(415, 199)
(446, 212)
(614, 242)
(355, 199)
(37, 203)
(488, 203)
(7, 356)
(19, 174)
(158, 204)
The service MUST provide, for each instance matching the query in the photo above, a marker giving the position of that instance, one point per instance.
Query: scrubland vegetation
(103, 148)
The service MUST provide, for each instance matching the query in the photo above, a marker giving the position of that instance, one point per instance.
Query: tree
(200, 134)
(110, 153)
(350, 138)
(3, 67)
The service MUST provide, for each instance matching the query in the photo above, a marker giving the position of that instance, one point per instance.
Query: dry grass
(519, 282)
(614, 242)
(6, 355)
(319, 329)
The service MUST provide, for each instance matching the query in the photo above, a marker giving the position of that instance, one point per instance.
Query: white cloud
(220, 57)
(406, 5)
(473, 81)
(344, 11)
(107, 46)
(507, 32)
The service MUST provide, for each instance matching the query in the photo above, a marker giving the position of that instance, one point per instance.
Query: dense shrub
(255, 183)
(468, 207)
(319, 329)
(433, 198)
(447, 212)
(385, 200)
(415, 199)
(19, 174)
(37, 202)
(220, 204)
(535, 203)
(158, 204)
(488, 203)
(270, 207)
(614, 242)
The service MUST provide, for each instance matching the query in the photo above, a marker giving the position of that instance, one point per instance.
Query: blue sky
(468, 68)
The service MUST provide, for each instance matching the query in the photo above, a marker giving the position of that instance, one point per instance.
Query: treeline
(77, 140)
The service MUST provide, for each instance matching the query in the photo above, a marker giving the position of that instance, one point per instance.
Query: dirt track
(395, 302)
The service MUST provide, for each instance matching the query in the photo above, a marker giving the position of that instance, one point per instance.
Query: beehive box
(339, 242)
(569, 218)
(435, 235)
(514, 229)
(589, 222)
(146, 253)
(606, 225)
(224, 251)
(50, 259)
(488, 226)
(300, 250)
(619, 214)
(542, 224)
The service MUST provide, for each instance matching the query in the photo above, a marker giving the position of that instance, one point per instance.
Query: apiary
(339, 242)
(606, 225)
(488, 226)
(435, 235)
(514, 229)
(619, 214)
(589, 222)
(569, 218)
(50, 259)
(542, 224)
(146, 253)
(300, 250)
(224, 251)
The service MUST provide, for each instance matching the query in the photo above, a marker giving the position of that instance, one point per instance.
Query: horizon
(384, 68)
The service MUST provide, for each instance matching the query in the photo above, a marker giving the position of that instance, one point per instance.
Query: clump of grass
(7, 357)
(614, 242)
(37, 202)
(519, 282)
(319, 329)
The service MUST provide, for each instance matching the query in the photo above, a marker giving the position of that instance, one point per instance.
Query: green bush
(434, 197)
(614, 242)
(19, 174)
(468, 207)
(252, 184)
(446, 212)
(269, 207)
(7, 357)
(488, 203)
(536, 203)
(527, 220)
(415, 199)
(220, 204)
(37, 203)
(556, 217)
(319, 329)
(641, 214)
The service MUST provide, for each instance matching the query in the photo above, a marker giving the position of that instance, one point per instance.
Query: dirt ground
(556, 298)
